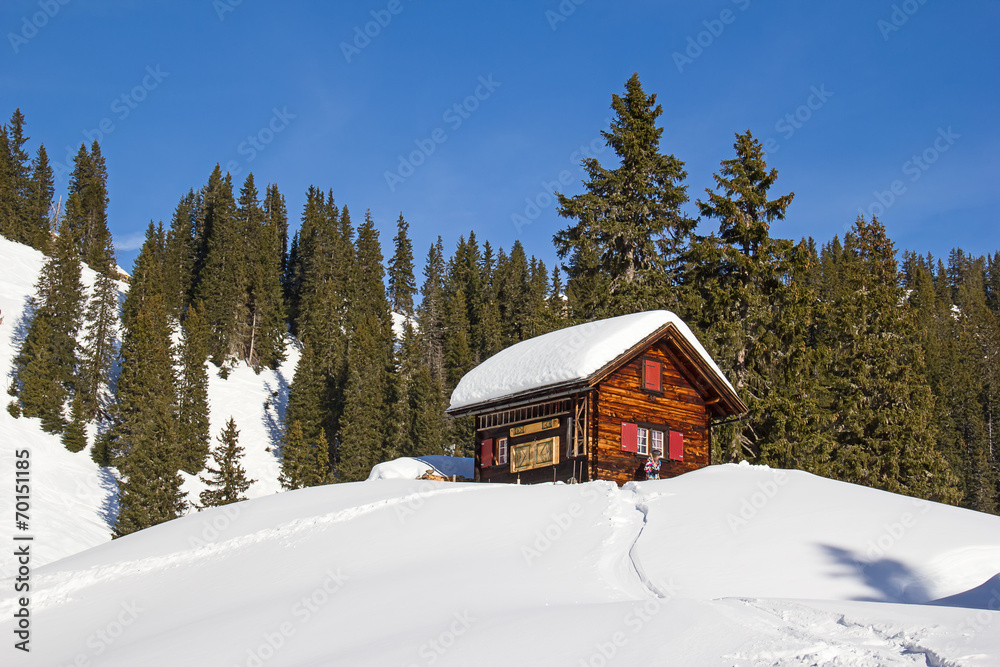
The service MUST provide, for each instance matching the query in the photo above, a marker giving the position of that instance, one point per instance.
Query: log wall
(621, 398)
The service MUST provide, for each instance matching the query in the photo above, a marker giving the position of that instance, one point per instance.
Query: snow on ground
(257, 403)
(417, 467)
(73, 500)
(70, 494)
(405, 572)
(566, 355)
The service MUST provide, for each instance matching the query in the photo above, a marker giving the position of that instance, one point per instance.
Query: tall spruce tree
(15, 180)
(87, 204)
(221, 272)
(98, 350)
(181, 254)
(264, 337)
(750, 299)
(364, 439)
(885, 431)
(46, 366)
(227, 481)
(192, 393)
(629, 220)
(37, 227)
(402, 284)
(143, 437)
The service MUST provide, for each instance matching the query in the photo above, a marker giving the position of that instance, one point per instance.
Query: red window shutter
(652, 375)
(676, 446)
(486, 458)
(630, 437)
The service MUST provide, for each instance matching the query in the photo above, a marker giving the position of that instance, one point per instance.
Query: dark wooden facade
(581, 431)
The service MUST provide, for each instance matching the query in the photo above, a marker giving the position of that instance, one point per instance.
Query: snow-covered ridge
(566, 355)
(697, 570)
(73, 499)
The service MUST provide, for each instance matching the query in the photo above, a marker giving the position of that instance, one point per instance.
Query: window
(652, 375)
(502, 451)
(657, 441)
(642, 441)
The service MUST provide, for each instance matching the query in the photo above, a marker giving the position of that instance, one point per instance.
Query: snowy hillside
(73, 499)
(731, 565)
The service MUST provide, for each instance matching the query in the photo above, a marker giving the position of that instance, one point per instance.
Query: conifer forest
(859, 361)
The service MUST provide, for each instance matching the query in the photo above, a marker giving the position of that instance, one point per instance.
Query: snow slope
(401, 572)
(73, 500)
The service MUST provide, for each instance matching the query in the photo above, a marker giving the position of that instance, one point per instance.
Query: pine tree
(15, 181)
(46, 366)
(98, 351)
(74, 436)
(430, 314)
(87, 204)
(630, 217)
(221, 282)
(37, 230)
(180, 254)
(263, 342)
(143, 438)
(885, 429)
(192, 393)
(756, 317)
(304, 464)
(402, 284)
(227, 481)
(363, 437)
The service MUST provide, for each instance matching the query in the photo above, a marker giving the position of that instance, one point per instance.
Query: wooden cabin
(594, 400)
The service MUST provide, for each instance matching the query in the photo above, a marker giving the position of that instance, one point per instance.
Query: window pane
(658, 441)
(643, 441)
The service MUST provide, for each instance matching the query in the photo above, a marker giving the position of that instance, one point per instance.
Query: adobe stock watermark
(100, 640)
(213, 528)
(223, 7)
(302, 612)
(121, 107)
(914, 168)
(696, 44)
(893, 532)
(562, 12)
(434, 649)
(899, 16)
(257, 143)
(31, 25)
(559, 524)
(454, 116)
(415, 502)
(546, 196)
(751, 506)
(381, 18)
(792, 122)
(634, 622)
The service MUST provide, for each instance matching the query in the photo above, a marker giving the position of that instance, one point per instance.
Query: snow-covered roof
(566, 356)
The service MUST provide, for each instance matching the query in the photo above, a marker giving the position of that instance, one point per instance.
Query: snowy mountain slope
(398, 572)
(72, 496)
(73, 499)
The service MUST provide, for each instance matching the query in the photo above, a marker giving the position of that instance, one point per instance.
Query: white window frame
(501, 451)
(642, 441)
(657, 442)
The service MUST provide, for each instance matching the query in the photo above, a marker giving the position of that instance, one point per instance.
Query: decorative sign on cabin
(596, 399)
(537, 427)
(536, 454)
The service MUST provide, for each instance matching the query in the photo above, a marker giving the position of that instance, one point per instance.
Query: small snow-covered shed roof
(577, 355)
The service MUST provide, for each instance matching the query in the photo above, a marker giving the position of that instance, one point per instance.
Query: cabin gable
(626, 396)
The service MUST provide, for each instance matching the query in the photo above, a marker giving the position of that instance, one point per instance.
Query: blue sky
(876, 106)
